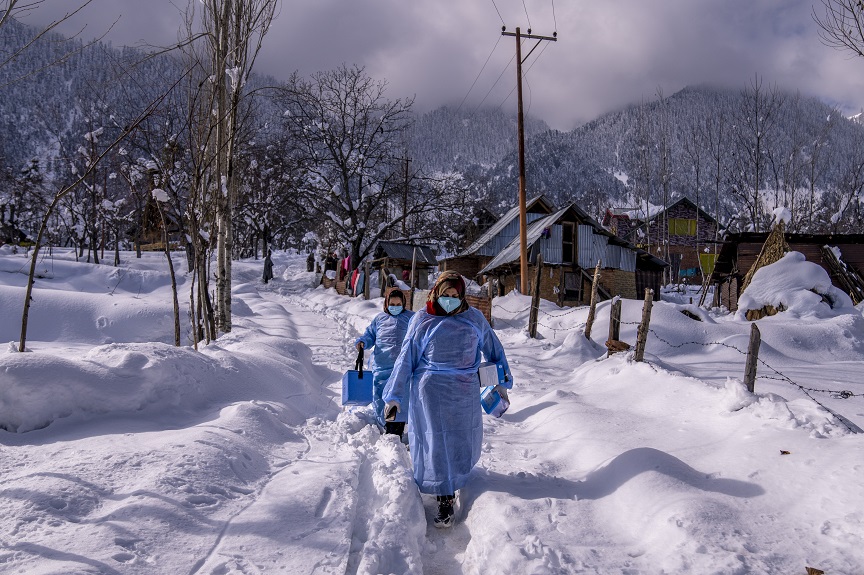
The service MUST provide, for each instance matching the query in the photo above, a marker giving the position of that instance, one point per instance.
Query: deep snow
(124, 454)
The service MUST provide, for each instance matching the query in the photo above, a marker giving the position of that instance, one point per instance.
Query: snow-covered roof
(400, 251)
(496, 228)
(654, 211)
(512, 251)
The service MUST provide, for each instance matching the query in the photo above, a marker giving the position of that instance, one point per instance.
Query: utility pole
(405, 201)
(523, 215)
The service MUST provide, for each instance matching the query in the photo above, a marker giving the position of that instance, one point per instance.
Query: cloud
(608, 53)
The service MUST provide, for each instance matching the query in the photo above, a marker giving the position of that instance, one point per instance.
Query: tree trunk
(173, 277)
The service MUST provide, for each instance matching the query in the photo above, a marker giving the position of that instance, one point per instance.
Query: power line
(480, 72)
(495, 84)
(525, 75)
(499, 13)
(527, 16)
(554, 19)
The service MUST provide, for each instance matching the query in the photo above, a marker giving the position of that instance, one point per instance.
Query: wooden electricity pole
(523, 216)
(405, 201)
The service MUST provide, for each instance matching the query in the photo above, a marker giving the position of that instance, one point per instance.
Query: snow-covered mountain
(700, 142)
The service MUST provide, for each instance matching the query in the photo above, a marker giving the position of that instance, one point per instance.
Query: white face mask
(449, 303)
(394, 309)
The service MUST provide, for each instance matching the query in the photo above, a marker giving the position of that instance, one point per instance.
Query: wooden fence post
(614, 326)
(642, 332)
(535, 299)
(413, 271)
(752, 358)
(593, 307)
(367, 268)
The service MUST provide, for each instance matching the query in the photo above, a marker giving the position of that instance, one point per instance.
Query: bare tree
(233, 32)
(161, 198)
(756, 121)
(817, 160)
(848, 198)
(644, 142)
(715, 129)
(350, 137)
(842, 25)
(664, 136)
(788, 161)
(695, 151)
(93, 162)
(268, 210)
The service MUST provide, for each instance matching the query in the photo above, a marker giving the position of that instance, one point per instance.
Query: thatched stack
(774, 248)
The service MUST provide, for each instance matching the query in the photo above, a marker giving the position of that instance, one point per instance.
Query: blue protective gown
(436, 372)
(384, 337)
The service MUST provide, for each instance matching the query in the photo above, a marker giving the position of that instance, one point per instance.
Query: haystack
(774, 248)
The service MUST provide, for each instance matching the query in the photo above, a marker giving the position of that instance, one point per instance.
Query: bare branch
(842, 25)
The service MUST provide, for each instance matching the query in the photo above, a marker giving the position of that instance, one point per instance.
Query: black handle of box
(358, 365)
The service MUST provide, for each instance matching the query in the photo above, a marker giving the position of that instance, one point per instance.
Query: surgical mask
(449, 303)
(394, 309)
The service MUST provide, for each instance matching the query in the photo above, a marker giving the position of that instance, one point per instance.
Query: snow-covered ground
(122, 454)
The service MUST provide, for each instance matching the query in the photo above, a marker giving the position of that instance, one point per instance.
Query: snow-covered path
(141, 458)
(325, 510)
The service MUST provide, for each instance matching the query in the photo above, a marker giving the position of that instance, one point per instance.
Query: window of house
(682, 227)
(568, 244)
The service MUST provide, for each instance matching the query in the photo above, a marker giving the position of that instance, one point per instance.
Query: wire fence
(555, 330)
(777, 374)
(808, 391)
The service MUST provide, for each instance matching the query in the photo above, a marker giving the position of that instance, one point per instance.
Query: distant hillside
(444, 139)
(701, 143)
(706, 143)
(58, 90)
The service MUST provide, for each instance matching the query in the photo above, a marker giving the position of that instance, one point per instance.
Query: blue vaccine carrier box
(357, 387)
(491, 374)
(492, 402)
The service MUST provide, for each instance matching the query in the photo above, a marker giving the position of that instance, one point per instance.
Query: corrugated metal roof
(497, 227)
(395, 250)
(513, 249)
(659, 210)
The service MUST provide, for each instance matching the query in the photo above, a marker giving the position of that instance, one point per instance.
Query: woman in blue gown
(384, 336)
(435, 376)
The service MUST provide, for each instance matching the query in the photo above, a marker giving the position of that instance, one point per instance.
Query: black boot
(444, 518)
(394, 428)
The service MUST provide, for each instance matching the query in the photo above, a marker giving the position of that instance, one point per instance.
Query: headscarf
(393, 292)
(445, 281)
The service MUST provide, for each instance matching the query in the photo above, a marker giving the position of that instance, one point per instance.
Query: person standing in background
(268, 267)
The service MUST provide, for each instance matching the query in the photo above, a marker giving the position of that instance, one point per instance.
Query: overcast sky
(609, 52)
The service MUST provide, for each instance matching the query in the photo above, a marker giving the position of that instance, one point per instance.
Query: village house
(480, 252)
(689, 230)
(397, 258)
(571, 244)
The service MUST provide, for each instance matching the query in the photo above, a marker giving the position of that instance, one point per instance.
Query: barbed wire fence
(776, 374)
